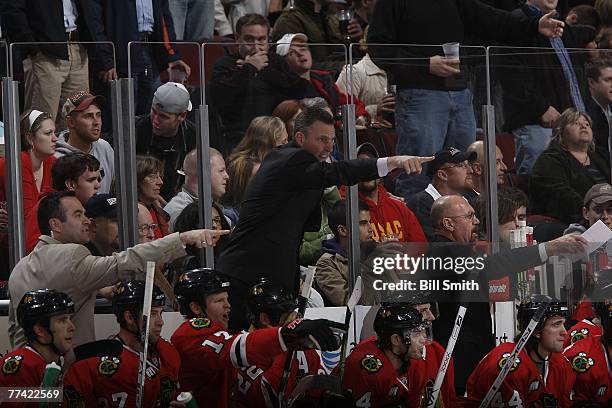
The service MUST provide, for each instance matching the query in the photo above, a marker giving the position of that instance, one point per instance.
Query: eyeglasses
(469, 216)
(147, 227)
(463, 165)
(153, 177)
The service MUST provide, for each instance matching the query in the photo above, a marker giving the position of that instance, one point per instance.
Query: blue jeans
(145, 82)
(427, 121)
(194, 20)
(530, 142)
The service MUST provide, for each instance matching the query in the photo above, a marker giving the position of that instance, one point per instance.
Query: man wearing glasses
(456, 231)
(450, 173)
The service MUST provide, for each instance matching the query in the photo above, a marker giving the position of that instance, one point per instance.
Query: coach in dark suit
(283, 201)
(455, 226)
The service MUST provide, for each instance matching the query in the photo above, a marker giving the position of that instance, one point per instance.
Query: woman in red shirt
(37, 148)
(149, 182)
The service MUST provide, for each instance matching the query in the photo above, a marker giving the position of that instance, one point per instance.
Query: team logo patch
(504, 358)
(108, 366)
(199, 323)
(12, 365)
(581, 362)
(577, 335)
(545, 401)
(371, 364)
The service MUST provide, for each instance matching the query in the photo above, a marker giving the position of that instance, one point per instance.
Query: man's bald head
(453, 217)
(478, 169)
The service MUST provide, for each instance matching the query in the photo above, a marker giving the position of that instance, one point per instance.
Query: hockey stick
(146, 313)
(302, 302)
(446, 358)
(350, 307)
(517, 349)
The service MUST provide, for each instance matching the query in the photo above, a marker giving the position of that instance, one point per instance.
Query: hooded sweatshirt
(101, 150)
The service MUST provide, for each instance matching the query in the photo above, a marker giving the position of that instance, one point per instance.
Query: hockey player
(590, 358)
(582, 330)
(111, 380)
(376, 370)
(211, 356)
(539, 373)
(270, 305)
(45, 316)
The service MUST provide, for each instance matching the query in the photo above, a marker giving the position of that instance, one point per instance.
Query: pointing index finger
(426, 159)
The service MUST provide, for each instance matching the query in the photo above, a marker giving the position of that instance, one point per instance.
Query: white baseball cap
(282, 45)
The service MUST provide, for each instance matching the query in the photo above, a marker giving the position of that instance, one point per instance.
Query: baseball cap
(101, 205)
(80, 101)
(449, 155)
(368, 148)
(172, 97)
(599, 194)
(282, 47)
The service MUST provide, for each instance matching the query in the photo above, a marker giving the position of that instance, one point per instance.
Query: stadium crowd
(275, 76)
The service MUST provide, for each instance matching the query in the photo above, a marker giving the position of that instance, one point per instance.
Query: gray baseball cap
(599, 194)
(172, 97)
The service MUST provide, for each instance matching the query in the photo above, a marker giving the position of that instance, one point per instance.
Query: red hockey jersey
(372, 378)
(581, 331)
(593, 375)
(524, 384)
(111, 381)
(210, 357)
(422, 376)
(23, 367)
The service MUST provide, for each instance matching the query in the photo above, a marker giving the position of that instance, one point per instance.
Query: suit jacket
(43, 21)
(282, 202)
(116, 22)
(70, 268)
(601, 128)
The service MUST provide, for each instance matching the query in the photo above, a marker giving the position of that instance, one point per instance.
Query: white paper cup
(451, 50)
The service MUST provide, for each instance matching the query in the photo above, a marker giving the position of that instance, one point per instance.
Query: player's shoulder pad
(371, 363)
(581, 362)
(98, 348)
(12, 364)
(504, 357)
(199, 323)
(109, 365)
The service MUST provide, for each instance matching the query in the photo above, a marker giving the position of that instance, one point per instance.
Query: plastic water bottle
(187, 399)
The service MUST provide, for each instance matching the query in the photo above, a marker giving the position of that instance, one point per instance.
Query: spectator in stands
(363, 12)
(146, 226)
(54, 71)
(318, 21)
(122, 22)
(225, 23)
(38, 144)
(166, 134)
(369, 85)
(294, 48)
(190, 192)
(507, 216)
(479, 172)
(312, 241)
(84, 121)
(61, 261)
(567, 169)
(599, 76)
(193, 19)
(519, 198)
(101, 210)
(583, 14)
(149, 182)
(597, 205)
(287, 111)
(77, 172)
(332, 267)
(450, 172)
(538, 86)
(252, 82)
(283, 201)
(241, 170)
(389, 216)
(263, 134)
(433, 104)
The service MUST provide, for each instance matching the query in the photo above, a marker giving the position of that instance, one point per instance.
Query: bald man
(455, 226)
(189, 191)
(479, 173)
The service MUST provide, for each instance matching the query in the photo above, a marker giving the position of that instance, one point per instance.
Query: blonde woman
(566, 170)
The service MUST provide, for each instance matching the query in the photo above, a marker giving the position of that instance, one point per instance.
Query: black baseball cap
(368, 148)
(449, 155)
(101, 205)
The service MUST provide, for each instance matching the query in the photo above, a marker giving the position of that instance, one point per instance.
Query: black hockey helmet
(529, 306)
(38, 306)
(270, 298)
(397, 318)
(196, 284)
(130, 296)
(416, 298)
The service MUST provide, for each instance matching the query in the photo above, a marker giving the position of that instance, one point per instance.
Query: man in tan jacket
(60, 261)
